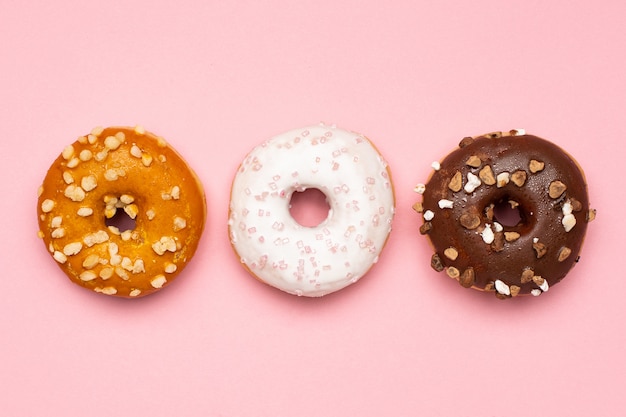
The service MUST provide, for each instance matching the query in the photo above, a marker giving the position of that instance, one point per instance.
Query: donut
(128, 173)
(505, 213)
(311, 261)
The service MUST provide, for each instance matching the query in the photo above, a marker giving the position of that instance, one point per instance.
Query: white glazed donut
(311, 261)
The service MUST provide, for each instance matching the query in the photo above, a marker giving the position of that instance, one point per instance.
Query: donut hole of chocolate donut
(121, 220)
(507, 213)
(309, 208)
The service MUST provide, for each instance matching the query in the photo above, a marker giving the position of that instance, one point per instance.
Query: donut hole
(309, 208)
(507, 213)
(121, 220)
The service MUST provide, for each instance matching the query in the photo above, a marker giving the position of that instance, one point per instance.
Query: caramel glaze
(544, 250)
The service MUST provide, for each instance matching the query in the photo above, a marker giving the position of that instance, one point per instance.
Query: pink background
(215, 79)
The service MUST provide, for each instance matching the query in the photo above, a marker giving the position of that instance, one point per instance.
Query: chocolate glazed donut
(506, 213)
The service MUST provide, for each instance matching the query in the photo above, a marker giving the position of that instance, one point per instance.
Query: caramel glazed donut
(488, 173)
(311, 261)
(139, 173)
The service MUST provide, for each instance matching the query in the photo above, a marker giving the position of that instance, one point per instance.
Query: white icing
(311, 261)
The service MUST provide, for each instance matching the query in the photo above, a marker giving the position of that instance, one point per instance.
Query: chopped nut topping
(170, 268)
(91, 261)
(56, 221)
(68, 152)
(134, 293)
(58, 233)
(166, 243)
(420, 188)
(85, 211)
(489, 286)
(435, 263)
(87, 276)
(535, 166)
(175, 192)
(445, 204)
(140, 130)
(425, 228)
(502, 287)
(473, 161)
(591, 215)
(511, 236)
(74, 193)
(569, 221)
(564, 253)
(106, 273)
(47, 205)
(158, 281)
(540, 249)
(89, 183)
(451, 253)
(97, 131)
(498, 242)
(179, 223)
(519, 178)
(120, 272)
(95, 238)
(469, 221)
(112, 143)
(106, 290)
(556, 189)
(467, 278)
(456, 183)
(135, 151)
(72, 248)
(466, 141)
(67, 177)
(576, 205)
(514, 290)
(418, 207)
(132, 210)
(473, 182)
(453, 272)
(489, 212)
(502, 179)
(73, 163)
(146, 159)
(85, 155)
(59, 257)
(527, 276)
(150, 214)
(487, 234)
(486, 175)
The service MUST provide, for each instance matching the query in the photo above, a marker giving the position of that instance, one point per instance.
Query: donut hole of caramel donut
(122, 221)
(309, 208)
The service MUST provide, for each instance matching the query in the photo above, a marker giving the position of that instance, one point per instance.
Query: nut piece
(535, 166)
(519, 178)
(487, 176)
(466, 141)
(435, 263)
(540, 249)
(511, 236)
(469, 221)
(527, 276)
(564, 253)
(451, 253)
(502, 179)
(456, 183)
(467, 278)
(556, 189)
(418, 207)
(453, 272)
(514, 290)
(591, 215)
(425, 228)
(473, 161)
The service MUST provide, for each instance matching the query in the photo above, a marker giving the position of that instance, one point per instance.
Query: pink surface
(216, 79)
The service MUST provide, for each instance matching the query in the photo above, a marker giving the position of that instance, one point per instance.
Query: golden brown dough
(103, 174)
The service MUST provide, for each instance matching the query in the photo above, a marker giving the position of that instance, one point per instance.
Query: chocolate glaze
(543, 249)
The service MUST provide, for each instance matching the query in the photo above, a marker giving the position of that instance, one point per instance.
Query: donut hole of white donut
(309, 208)
(347, 213)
